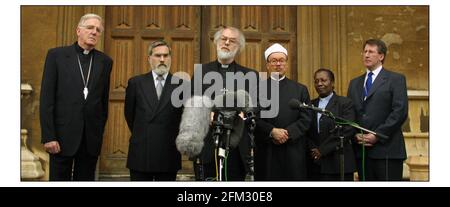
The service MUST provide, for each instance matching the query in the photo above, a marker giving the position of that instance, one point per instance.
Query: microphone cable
(217, 166)
(363, 149)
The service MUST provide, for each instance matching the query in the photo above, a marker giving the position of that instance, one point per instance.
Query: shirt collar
(156, 75)
(376, 71)
(327, 98)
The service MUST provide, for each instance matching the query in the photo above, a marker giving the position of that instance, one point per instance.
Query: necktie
(159, 86)
(368, 84)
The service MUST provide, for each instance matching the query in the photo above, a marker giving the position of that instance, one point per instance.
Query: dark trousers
(80, 167)
(380, 169)
(235, 169)
(147, 176)
(314, 174)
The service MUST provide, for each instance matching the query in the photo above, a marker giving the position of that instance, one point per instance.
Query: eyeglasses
(224, 39)
(275, 61)
(92, 27)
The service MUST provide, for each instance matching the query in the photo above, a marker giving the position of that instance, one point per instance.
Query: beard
(161, 69)
(223, 55)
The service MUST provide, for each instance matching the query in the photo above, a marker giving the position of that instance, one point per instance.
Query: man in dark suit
(324, 162)
(281, 140)
(381, 105)
(153, 120)
(228, 41)
(74, 103)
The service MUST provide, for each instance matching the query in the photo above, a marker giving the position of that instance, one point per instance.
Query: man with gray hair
(152, 119)
(74, 103)
(227, 77)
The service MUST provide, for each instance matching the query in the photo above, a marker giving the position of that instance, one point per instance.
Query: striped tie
(159, 86)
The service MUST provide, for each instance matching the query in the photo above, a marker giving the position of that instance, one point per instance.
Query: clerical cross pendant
(85, 92)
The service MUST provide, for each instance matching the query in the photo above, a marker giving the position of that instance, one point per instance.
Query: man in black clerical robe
(281, 140)
(229, 41)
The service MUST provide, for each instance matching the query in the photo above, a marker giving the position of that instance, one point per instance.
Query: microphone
(194, 125)
(227, 106)
(295, 104)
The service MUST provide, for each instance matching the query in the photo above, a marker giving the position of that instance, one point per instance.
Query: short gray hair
(241, 37)
(85, 17)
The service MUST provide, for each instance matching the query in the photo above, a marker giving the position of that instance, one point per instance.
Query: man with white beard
(226, 77)
(153, 120)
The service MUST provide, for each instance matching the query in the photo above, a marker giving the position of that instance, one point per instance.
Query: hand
(52, 147)
(280, 135)
(369, 140)
(242, 115)
(359, 138)
(212, 118)
(315, 154)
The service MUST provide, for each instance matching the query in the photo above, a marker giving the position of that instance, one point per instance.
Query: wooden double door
(189, 30)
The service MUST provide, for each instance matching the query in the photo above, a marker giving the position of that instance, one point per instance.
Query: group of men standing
(291, 146)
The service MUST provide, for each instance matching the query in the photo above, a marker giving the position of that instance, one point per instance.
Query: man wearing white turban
(280, 141)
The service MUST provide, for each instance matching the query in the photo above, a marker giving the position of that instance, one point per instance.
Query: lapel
(96, 71)
(360, 88)
(379, 81)
(315, 102)
(149, 91)
(73, 71)
(331, 104)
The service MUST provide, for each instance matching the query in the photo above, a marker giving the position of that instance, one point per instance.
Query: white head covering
(275, 48)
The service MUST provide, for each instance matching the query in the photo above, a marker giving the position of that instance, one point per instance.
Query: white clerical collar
(279, 79)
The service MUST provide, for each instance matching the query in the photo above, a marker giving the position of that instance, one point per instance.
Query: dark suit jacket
(64, 111)
(327, 140)
(384, 111)
(154, 125)
(244, 144)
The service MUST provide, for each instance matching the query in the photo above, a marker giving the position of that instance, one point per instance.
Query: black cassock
(286, 161)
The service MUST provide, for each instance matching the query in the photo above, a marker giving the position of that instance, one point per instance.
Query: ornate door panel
(189, 30)
(129, 31)
(261, 25)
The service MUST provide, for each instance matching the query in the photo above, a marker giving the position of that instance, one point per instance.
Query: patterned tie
(368, 84)
(159, 86)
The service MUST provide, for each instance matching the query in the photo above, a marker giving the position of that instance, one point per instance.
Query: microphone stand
(217, 133)
(339, 122)
(340, 149)
(251, 160)
(224, 123)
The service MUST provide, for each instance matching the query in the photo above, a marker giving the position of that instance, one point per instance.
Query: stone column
(31, 167)
(418, 168)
